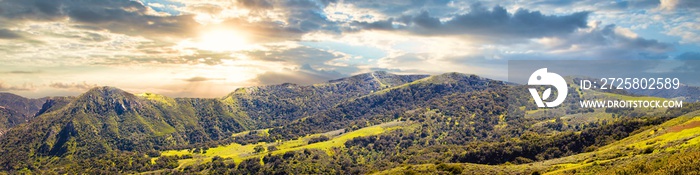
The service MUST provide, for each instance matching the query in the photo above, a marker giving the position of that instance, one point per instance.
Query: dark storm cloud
(599, 43)
(275, 31)
(623, 4)
(307, 21)
(553, 2)
(301, 17)
(8, 34)
(256, 4)
(379, 25)
(119, 16)
(43, 10)
(636, 4)
(398, 8)
(608, 39)
(496, 22)
(691, 64)
(689, 4)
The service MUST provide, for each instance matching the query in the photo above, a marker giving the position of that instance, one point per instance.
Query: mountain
(105, 119)
(450, 118)
(685, 92)
(387, 104)
(15, 110)
(24, 106)
(9, 118)
(275, 105)
(53, 104)
(374, 122)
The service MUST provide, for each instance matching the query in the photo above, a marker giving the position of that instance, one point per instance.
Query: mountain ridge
(455, 117)
(17, 110)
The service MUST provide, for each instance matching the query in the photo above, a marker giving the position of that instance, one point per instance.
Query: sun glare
(217, 40)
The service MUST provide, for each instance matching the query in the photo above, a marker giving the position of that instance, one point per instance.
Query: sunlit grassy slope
(240, 152)
(547, 115)
(649, 151)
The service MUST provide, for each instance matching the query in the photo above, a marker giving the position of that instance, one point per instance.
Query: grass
(534, 111)
(673, 137)
(419, 81)
(157, 98)
(239, 152)
(176, 152)
(468, 168)
(659, 139)
(340, 140)
(159, 128)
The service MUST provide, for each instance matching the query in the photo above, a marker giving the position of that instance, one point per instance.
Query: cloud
(200, 79)
(8, 34)
(302, 65)
(73, 86)
(264, 21)
(604, 42)
(679, 4)
(689, 56)
(304, 75)
(622, 4)
(689, 31)
(296, 55)
(399, 8)
(22, 72)
(311, 41)
(256, 4)
(495, 23)
(119, 16)
(24, 87)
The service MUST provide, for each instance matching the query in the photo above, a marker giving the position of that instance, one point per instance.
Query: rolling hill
(106, 119)
(375, 122)
(276, 105)
(672, 147)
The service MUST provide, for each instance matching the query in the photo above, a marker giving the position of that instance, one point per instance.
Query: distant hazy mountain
(685, 92)
(15, 110)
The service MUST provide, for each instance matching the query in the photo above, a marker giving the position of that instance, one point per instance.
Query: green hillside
(369, 123)
(107, 119)
(672, 147)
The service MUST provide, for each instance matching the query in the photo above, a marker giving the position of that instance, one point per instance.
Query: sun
(218, 40)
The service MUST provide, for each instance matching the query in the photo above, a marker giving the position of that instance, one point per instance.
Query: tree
(259, 149)
(271, 148)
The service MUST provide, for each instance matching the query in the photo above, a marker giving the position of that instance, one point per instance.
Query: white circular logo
(542, 77)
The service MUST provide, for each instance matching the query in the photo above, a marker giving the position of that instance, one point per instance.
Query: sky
(208, 48)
